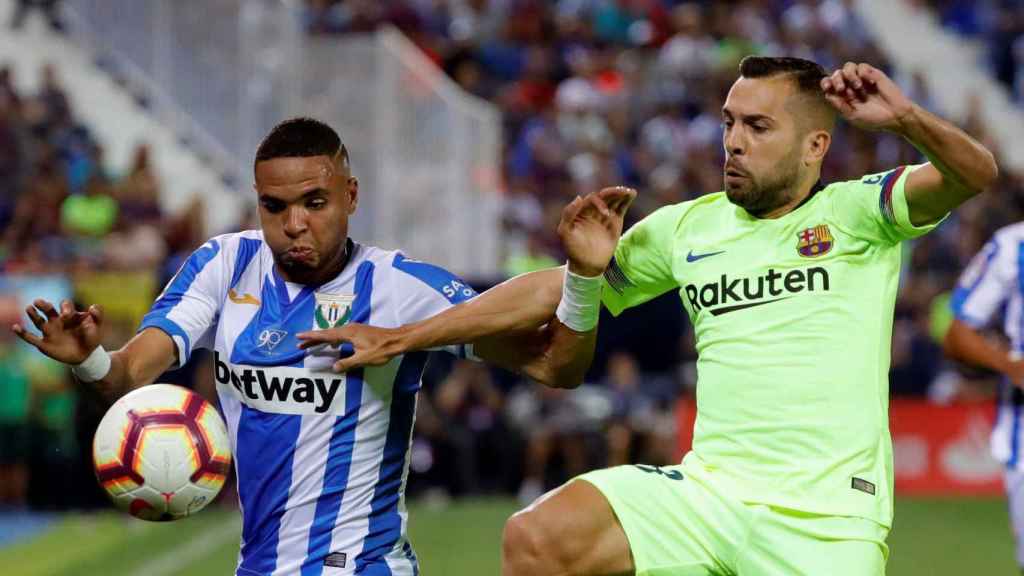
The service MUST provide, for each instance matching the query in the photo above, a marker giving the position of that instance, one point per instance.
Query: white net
(225, 71)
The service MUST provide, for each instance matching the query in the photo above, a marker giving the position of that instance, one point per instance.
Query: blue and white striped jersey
(992, 283)
(321, 458)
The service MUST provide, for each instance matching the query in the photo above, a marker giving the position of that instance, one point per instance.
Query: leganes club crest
(332, 310)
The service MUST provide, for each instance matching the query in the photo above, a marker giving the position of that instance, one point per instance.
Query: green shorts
(679, 525)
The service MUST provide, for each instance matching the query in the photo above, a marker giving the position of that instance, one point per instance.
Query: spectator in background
(138, 192)
(15, 395)
(560, 427)
(14, 153)
(34, 237)
(325, 16)
(641, 427)
(50, 9)
(87, 219)
(534, 257)
(466, 431)
(53, 100)
(53, 461)
(997, 23)
(139, 239)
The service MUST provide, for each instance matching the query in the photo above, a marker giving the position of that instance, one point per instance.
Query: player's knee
(524, 547)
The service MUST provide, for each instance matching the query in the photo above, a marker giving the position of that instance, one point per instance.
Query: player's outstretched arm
(560, 352)
(73, 337)
(964, 343)
(514, 324)
(959, 166)
(517, 306)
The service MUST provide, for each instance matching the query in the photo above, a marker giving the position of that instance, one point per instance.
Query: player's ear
(816, 146)
(352, 190)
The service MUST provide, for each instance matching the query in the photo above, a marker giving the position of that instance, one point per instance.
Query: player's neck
(804, 192)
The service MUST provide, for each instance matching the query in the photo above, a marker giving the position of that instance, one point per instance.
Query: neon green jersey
(793, 318)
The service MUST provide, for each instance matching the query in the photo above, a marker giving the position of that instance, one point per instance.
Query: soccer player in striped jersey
(321, 458)
(990, 286)
(790, 286)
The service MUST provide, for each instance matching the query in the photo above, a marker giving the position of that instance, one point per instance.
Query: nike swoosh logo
(691, 257)
(727, 309)
(243, 299)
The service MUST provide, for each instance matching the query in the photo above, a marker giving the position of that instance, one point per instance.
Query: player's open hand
(866, 97)
(68, 336)
(591, 226)
(372, 346)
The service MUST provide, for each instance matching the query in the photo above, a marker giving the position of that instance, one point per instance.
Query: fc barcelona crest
(814, 242)
(332, 310)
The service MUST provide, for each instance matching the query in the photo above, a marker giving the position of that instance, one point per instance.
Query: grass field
(931, 538)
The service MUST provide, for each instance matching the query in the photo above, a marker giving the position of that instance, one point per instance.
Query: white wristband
(95, 367)
(581, 302)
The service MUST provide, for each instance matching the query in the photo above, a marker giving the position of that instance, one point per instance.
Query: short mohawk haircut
(301, 138)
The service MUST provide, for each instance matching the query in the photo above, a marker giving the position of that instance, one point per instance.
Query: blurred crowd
(593, 93)
(998, 26)
(67, 218)
(63, 208)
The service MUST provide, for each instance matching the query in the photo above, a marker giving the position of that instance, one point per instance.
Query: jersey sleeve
(875, 207)
(190, 303)
(428, 290)
(986, 283)
(641, 268)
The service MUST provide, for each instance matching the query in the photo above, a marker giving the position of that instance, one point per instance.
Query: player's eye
(758, 128)
(272, 206)
(316, 203)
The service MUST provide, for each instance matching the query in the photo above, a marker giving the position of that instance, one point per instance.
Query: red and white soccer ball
(161, 452)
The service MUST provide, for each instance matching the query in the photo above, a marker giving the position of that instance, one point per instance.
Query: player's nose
(295, 222)
(734, 144)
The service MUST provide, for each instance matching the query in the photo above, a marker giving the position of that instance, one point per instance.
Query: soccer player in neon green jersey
(790, 286)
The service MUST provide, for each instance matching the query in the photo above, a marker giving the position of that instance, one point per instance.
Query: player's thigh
(674, 524)
(790, 543)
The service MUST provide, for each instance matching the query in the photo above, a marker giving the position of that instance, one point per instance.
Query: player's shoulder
(1006, 244)
(712, 202)
(669, 218)
(228, 256)
(231, 242)
(400, 268)
(379, 258)
(874, 181)
(403, 273)
(234, 251)
(1012, 234)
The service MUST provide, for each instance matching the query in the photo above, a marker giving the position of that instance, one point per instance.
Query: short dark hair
(301, 138)
(806, 75)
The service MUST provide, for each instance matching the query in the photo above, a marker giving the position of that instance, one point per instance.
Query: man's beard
(759, 198)
(297, 270)
(320, 269)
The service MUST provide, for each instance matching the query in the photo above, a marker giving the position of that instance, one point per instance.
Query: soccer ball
(161, 452)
